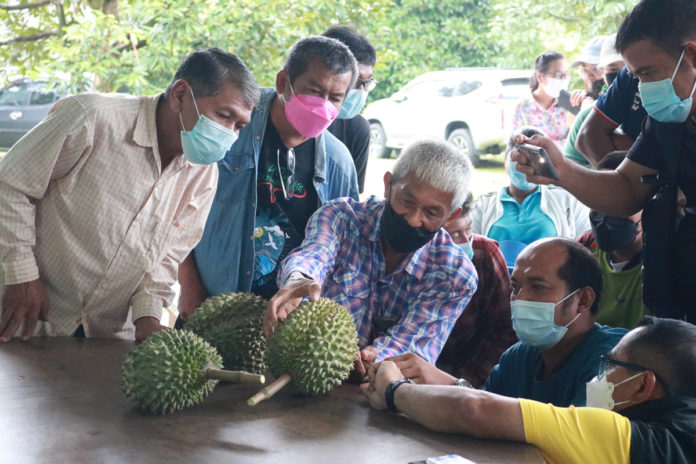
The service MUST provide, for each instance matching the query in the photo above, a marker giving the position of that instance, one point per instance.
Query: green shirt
(569, 150)
(621, 304)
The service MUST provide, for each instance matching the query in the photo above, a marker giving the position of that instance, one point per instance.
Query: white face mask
(600, 392)
(554, 86)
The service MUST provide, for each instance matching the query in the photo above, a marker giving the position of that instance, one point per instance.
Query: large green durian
(233, 323)
(166, 372)
(317, 344)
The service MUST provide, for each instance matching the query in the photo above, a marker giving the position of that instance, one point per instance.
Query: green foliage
(138, 44)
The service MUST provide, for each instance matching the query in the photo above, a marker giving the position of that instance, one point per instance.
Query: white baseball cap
(590, 54)
(608, 53)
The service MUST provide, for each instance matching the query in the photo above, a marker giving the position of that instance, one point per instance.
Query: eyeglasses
(557, 75)
(589, 69)
(605, 363)
(290, 155)
(368, 85)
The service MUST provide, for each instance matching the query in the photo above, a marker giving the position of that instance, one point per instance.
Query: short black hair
(332, 53)
(362, 49)
(581, 269)
(668, 348)
(541, 65)
(668, 24)
(612, 161)
(208, 70)
(466, 206)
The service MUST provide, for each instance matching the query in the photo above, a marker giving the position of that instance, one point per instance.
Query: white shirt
(86, 207)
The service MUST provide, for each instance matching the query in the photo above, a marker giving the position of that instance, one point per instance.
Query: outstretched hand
(26, 302)
(379, 377)
(419, 370)
(287, 299)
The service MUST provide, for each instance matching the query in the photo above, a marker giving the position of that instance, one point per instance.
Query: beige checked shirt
(86, 207)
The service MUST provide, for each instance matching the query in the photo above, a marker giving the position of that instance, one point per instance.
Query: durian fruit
(174, 369)
(233, 323)
(313, 350)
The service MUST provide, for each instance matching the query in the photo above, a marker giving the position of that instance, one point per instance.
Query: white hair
(440, 164)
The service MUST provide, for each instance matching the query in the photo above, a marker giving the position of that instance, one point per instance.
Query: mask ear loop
(195, 106)
(681, 57)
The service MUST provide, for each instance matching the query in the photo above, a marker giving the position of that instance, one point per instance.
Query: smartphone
(564, 102)
(540, 160)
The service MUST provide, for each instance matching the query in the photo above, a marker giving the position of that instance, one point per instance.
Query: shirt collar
(145, 130)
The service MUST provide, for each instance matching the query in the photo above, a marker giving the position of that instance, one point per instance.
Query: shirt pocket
(351, 282)
(236, 181)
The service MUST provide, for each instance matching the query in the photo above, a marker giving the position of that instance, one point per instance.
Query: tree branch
(31, 37)
(568, 19)
(26, 6)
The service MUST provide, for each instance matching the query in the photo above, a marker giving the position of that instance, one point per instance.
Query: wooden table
(60, 403)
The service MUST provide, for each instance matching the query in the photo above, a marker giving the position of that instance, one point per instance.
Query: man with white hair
(389, 262)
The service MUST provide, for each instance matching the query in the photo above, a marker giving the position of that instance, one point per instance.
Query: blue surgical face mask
(517, 178)
(354, 102)
(467, 248)
(662, 102)
(208, 141)
(534, 324)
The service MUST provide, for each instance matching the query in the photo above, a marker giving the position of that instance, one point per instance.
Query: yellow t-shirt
(576, 435)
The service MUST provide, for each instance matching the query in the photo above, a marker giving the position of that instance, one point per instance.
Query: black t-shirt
(355, 135)
(648, 152)
(280, 223)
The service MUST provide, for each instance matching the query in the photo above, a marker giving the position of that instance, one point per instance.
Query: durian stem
(270, 390)
(234, 376)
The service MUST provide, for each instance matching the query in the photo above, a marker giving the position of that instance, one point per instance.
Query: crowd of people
(557, 312)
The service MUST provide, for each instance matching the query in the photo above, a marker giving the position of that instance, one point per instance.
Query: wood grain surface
(60, 402)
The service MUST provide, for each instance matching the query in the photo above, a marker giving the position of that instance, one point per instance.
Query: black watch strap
(389, 393)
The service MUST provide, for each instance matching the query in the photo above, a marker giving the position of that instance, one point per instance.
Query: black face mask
(610, 78)
(612, 233)
(596, 89)
(400, 235)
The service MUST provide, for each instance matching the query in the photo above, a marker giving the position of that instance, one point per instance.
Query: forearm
(609, 192)
(595, 146)
(461, 410)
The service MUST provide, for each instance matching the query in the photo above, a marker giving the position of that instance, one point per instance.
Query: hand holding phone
(540, 160)
(564, 102)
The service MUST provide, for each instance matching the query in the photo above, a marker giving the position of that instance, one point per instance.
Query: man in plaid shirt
(389, 262)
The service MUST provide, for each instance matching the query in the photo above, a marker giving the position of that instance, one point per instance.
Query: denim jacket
(225, 254)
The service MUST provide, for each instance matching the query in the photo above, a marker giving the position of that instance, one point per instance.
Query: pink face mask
(309, 114)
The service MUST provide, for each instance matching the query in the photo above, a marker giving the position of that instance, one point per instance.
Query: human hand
(524, 162)
(26, 302)
(380, 376)
(287, 298)
(366, 358)
(146, 326)
(577, 96)
(419, 370)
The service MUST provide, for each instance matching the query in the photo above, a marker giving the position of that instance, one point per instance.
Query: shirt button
(236, 168)
(248, 272)
(258, 137)
(253, 205)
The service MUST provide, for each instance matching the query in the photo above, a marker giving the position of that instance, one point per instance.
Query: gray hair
(332, 53)
(527, 131)
(440, 164)
(207, 71)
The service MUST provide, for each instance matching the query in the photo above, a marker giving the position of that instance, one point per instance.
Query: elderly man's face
(318, 81)
(421, 204)
(535, 278)
(460, 229)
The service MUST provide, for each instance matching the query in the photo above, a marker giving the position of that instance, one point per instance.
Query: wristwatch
(463, 383)
(389, 393)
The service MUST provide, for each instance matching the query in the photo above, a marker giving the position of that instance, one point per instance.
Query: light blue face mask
(534, 324)
(467, 248)
(208, 141)
(662, 102)
(517, 178)
(354, 102)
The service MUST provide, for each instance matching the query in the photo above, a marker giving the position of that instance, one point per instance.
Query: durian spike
(271, 389)
(234, 376)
